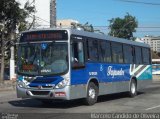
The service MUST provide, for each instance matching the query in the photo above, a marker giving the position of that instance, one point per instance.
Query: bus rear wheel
(133, 88)
(92, 94)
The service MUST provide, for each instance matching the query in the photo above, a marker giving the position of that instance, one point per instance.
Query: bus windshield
(49, 58)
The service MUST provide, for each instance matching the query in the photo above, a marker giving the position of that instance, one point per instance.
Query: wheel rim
(133, 88)
(92, 93)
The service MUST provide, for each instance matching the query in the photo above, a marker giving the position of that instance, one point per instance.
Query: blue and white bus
(156, 69)
(155, 66)
(70, 64)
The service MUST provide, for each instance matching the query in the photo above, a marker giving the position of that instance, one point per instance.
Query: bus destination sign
(44, 36)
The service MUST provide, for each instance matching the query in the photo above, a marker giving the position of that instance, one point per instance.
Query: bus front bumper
(43, 93)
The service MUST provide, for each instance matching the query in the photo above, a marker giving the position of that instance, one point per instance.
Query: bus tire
(133, 88)
(92, 94)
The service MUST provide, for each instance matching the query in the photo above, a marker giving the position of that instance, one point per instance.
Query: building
(154, 42)
(139, 40)
(66, 23)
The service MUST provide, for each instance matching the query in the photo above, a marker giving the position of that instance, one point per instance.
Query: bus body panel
(103, 72)
(112, 78)
(28, 93)
(79, 79)
(46, 81)
(110, 73)
(44, 88)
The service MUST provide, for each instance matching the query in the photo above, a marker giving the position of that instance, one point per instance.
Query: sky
(98, 12)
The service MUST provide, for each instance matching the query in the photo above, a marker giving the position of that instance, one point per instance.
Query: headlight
(63, 83)
(21, 84)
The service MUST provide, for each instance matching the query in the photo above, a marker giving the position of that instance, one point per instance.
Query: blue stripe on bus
(103, 72)
(46, 80)
(106, 73)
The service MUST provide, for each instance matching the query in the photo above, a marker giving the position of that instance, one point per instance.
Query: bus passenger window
(93, 50)
(128, 54)
(138, 53)
(105, 51)
(146, 56)
(77, 55)
(117, 53)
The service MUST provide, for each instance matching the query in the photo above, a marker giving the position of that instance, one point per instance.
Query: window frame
(136, 55)
(149, 57)
(88, 49)
(132, 52)
(112, 42)
(103, 57)
(73, 40)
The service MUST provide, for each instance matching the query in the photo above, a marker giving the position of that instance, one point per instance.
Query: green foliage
(86, 27)
(123, 27)
(13, 18)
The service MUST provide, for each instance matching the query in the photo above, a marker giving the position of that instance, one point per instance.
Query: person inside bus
(77, 54)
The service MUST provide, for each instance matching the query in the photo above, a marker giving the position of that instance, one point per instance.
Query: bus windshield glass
(47, 58)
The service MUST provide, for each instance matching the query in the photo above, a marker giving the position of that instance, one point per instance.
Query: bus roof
(94, 35)
(109, 38)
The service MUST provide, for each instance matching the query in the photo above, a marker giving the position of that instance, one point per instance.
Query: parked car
(6, 73)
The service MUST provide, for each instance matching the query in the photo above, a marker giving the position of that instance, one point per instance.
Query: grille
(44, 87)
(40, 92)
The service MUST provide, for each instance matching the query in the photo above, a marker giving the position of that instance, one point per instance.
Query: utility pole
(53, 13)
(12, 58)
(2, 30)
(2, 58)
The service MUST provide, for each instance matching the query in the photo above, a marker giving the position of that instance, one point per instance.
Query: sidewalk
(8, 85)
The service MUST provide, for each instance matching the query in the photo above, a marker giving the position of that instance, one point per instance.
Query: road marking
(152, 108)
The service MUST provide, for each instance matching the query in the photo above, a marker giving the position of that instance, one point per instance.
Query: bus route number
(93, 73)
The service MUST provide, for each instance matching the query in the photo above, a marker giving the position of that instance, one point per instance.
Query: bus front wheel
(92, 94)
(133, 88)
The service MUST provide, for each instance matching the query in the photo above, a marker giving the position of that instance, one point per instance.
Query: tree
(86, 27)
(12, 18)
(123, 27)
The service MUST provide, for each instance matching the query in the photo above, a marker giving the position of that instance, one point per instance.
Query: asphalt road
(147, 101)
